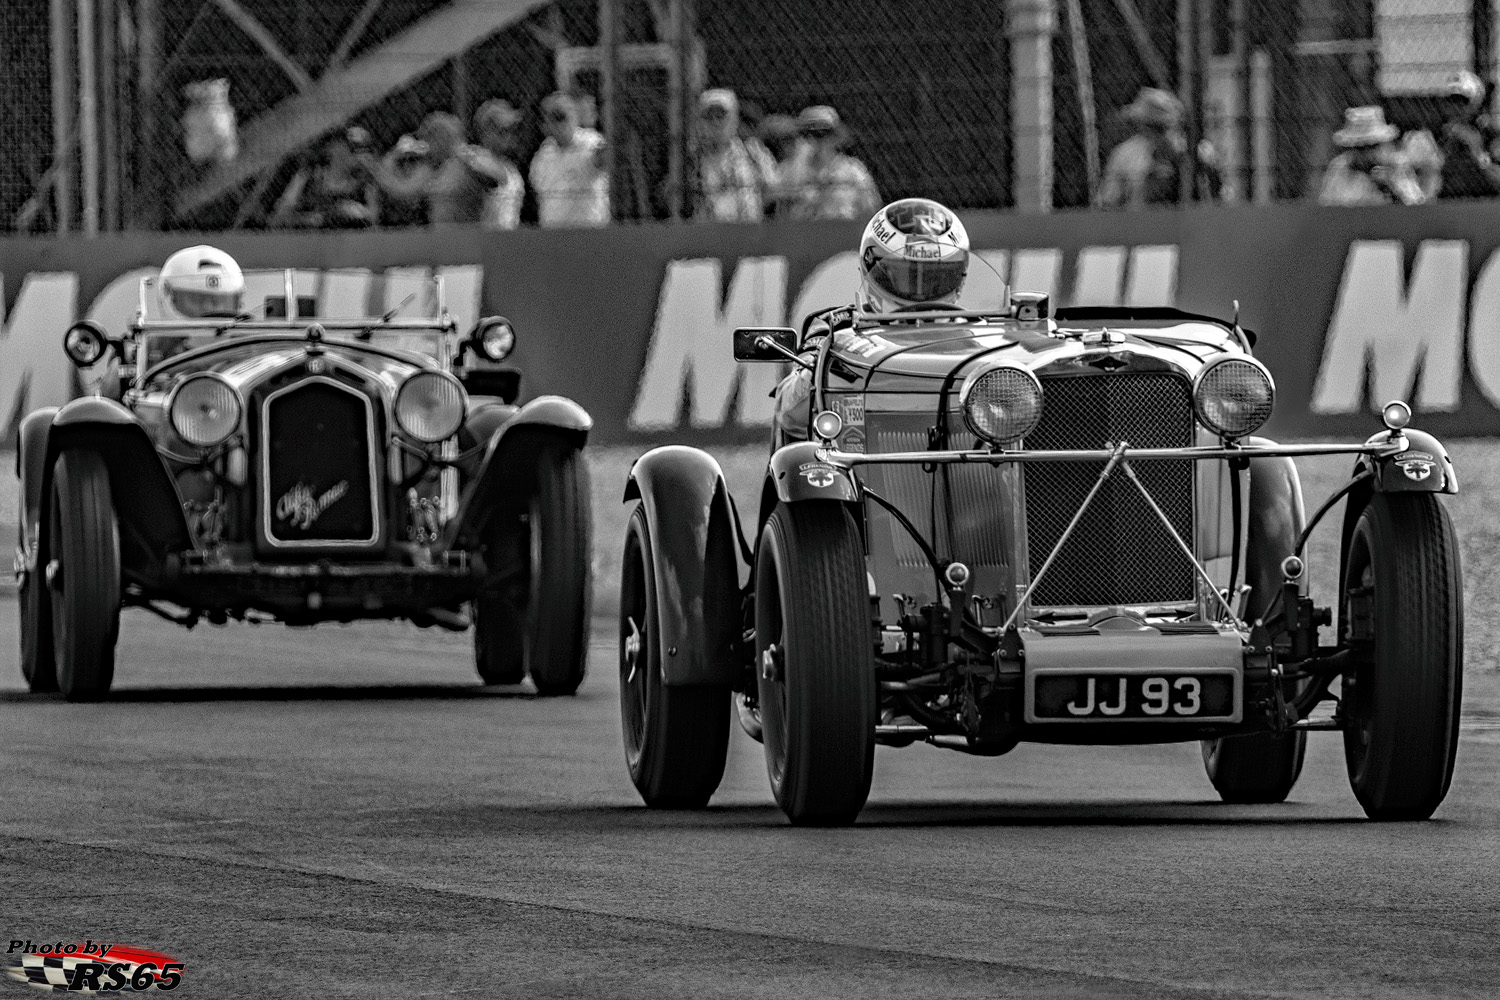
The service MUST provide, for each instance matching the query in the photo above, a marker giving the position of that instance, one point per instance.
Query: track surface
(343, 812)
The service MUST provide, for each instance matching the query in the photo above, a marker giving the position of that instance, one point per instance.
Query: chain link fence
(213, 114)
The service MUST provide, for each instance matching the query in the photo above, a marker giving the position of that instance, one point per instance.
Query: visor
(920, 280)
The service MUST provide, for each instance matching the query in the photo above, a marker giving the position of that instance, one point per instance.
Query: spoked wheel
(84, 575)
(676, 738)
(815, 663)
(1403, 605)
(557, 611)
(1262, 768)
(38, 664)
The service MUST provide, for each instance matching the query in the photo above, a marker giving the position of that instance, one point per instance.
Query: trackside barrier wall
(1352, 306)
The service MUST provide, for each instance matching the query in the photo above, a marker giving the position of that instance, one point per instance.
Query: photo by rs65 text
(91, 967)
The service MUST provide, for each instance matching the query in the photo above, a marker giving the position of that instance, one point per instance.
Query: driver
(201, 282)
(914, 255)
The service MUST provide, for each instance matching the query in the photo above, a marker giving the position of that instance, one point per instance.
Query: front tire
(815, 663)
(1255, 769)
(1403, 602)
(38, 662)
(84, 542)
(676, 738)
(557, 612)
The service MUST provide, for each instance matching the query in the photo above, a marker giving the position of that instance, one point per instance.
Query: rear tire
(1262, 768)
(38, 664)
(1403, 601)
(676, 738)
(84, 540)
(1256, 769)
(499, 638)
(557, 612)
(815, 665)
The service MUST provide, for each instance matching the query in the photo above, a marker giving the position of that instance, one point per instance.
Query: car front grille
(318, 450)
(1120, 553)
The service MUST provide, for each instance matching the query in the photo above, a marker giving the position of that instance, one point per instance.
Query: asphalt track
(344, 812)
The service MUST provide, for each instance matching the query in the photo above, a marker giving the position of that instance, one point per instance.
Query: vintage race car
(983, 528)
(304, 470)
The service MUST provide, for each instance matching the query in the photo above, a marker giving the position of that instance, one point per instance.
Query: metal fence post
(1029, 27)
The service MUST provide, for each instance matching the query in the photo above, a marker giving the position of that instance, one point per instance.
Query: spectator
(1468, 171)
(495, 125)
(335, 190)
(452, 177)
(568, 171)
(774, 145)
(724, 181)
(1368, 172)
(820, 182)
(1148, 167)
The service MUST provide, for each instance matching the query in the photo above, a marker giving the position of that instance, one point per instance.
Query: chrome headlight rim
(231, 426)
(1209, 367)
(461, 412)
(965, 393)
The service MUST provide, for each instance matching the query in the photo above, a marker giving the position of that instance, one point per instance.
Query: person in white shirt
(568, 171)
(725, 181)
(495, 125)
(1369, 171)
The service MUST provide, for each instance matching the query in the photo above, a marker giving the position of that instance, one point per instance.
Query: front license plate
(1136, 696)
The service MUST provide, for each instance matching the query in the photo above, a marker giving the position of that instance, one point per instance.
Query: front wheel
(1403, 608)
(38, 664)
(557, 612)
(1258, 768)
(814, 661)
(676, 738)
(84, 575)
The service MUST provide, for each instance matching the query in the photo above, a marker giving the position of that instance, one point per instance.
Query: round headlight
(430, 406)
(84, 343)
(1002, 404)
(205, 409)
(496, 338)
(1233, 396)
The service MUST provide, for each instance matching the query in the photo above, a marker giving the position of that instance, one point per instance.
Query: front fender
(31, 464)
(797, 473)
(1274, 518)
(503, 479)
(149, 508)
(1422, 467)
(696, 572)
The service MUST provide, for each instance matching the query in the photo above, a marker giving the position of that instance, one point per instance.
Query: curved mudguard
(149, 508)
(507, 464)
(1274, 516)
(799, 474)
(693, 552)
(1423, 467)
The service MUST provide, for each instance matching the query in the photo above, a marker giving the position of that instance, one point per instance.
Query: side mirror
(85, 343)
(503, 382)
(493, 338)
(765, 343)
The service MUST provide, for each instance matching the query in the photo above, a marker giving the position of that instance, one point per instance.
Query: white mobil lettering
(1484, 330)
(33, 369)
(1129, 276)
(1389, 335)
(690, 345)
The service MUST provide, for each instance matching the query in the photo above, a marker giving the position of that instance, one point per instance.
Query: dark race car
(983, 528)
(304, 470)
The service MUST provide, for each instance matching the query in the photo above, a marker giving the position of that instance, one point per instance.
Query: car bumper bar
(1001, 456)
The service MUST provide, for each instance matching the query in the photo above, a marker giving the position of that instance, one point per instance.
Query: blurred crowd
(741, 168)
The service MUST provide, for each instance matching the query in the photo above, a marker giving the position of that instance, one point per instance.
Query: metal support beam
(63, 131)
(88, 117)
(609, 95)
(246, 22)
(1029, 27)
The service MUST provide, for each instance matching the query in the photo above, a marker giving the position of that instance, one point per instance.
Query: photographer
(1369, 171)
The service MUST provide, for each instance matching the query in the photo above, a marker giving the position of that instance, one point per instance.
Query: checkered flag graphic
(55, 972)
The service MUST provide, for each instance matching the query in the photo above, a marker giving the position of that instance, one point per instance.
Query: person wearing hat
(333, 189)
(724, 182)
(1148, 167)
(568, 172)
(821, 181)
(1368, 171)
(496, 126)
(1468, 170)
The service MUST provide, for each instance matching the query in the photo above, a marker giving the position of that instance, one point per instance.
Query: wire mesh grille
(926, 93)
(1120, 553)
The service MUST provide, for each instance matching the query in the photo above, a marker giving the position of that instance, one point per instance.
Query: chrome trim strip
(1003, 456)
(371, 464)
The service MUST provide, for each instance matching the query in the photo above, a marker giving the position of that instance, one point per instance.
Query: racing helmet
(200, 282)
(914, 252)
